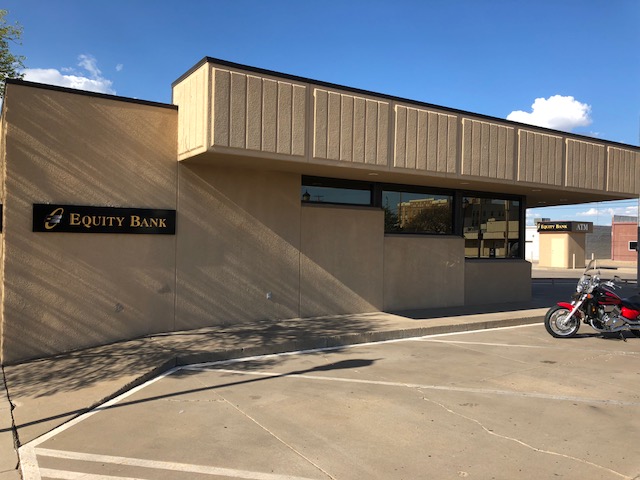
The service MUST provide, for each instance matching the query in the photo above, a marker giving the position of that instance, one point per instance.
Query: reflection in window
(491, 227)
(410, 212)
(334, 191)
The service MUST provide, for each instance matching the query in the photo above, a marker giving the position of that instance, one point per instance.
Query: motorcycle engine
(609, 320)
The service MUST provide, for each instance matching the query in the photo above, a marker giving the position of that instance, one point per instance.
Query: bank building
(258, 195)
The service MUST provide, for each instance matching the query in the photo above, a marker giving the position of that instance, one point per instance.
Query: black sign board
(87, 219)
(584, 227)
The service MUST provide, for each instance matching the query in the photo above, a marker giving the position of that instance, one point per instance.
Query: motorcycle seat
(632, 302)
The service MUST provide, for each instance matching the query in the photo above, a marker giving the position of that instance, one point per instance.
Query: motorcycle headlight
(582, 284)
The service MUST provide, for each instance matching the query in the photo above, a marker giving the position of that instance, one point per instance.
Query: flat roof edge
(106, 96)
(263, 71)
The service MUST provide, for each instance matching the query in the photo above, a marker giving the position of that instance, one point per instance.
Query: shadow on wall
(67, 291)
(238, 244)
(239, 255)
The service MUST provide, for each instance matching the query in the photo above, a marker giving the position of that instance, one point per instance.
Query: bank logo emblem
(53, 219)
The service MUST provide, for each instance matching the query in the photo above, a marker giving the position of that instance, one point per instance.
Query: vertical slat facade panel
(285, 110)
(238, 111)
(299, 119)
(221, 106)
(320, 120)
(257, 113)
(585, 165)
(425, 140)
(371, 132)
(269, 116)
(452, 144)
(421, 148)
(346, 129)
(358, 129)
(487, 149)
(412, 135)
(540, 158)
(333, 126)
(623, 171)
(400, 152)
(382, 158)
(350, 129)
(254, 113)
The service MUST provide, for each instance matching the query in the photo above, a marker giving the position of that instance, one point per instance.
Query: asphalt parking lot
(490, 404)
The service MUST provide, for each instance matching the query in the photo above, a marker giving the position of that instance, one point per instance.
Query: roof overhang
(240, 116)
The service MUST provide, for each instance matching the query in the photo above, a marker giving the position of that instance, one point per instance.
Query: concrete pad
(8, 454)
(46, 393)
(438, 407)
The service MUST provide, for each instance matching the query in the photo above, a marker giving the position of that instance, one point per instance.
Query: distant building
(607, 242)
(624, 238)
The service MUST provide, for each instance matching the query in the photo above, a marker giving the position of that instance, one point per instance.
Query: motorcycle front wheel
(557, 326)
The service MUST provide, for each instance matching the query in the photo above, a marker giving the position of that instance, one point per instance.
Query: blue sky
(572, 65)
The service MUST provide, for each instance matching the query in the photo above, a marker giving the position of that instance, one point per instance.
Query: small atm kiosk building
(562, 244)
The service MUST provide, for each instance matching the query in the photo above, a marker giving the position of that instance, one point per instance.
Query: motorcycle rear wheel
(557, 327)
(635, 332)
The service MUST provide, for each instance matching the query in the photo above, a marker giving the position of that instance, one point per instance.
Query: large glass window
(490, 224)
(417, 212)
(335, 191)
(491, 227)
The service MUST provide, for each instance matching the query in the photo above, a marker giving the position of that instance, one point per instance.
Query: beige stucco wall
(341, 262)
(496, 281)
(238, 240)
(423, 272)
(561, 249)
(247, 250)
(65, 291)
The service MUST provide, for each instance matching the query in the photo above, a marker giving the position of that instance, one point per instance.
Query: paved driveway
(504, 404)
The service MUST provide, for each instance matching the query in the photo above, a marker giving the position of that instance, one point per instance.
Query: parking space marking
(509, 345)
(67, 475)
(157, 465)
(480, 391)
(29, 452)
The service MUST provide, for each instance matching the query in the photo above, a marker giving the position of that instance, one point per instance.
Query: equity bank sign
(584, 227)
(86, 219)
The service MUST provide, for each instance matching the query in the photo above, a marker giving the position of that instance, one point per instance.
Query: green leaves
(10, 64)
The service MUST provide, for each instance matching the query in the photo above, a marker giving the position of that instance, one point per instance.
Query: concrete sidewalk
(37, 396)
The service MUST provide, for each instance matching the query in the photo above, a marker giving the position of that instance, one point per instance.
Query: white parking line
(27, 453)
(157, 465)
(481, 391)
(67, 475)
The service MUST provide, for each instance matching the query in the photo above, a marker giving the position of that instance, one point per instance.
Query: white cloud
(558, 112)
(90, 78)
(595, 212)
(119, 67)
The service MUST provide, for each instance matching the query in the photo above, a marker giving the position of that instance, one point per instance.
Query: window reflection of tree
(430, 219)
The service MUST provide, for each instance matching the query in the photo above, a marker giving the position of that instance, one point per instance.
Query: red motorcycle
(597, 303)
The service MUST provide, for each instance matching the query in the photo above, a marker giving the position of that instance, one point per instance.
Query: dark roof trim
(105, 96)
(359, 91)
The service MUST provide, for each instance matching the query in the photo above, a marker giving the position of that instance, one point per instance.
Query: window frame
(340, 183)
(521, 220)
(376, 190)
(417, 189)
